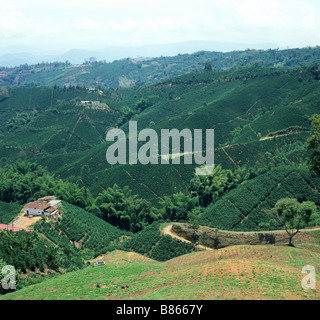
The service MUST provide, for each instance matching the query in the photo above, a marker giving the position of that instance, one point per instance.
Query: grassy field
(237, 272)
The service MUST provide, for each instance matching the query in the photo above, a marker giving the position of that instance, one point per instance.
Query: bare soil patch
(25, 222)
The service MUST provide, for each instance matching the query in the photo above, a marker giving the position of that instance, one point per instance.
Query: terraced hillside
(253, 110)
(238, 272)
(244, 208)
(260, 116)
(239, 117)
(82, 229)
(114, 213)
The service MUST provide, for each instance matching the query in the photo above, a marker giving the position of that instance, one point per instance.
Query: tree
(121, 208)
(4, 93)
(208, 188)
(314, 144)
(142, 104)
(177, 207)
(208, 66)
(193, 221)
(294, 215)
(315, 71)
(127, 111)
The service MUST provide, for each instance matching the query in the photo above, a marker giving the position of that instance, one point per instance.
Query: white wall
(35, 212)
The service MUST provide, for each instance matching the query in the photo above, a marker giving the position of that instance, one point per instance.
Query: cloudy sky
(66, 24)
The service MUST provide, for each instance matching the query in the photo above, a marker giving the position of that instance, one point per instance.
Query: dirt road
(241, 237)
(168, 231)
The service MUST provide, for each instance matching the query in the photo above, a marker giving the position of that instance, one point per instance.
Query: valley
(243, 231)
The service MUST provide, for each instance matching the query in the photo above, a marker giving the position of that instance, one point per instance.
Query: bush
(151, 243)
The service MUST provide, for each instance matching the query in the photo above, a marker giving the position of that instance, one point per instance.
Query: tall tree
(193, 222)
(208, 66)
(177, 207)
(294, 215)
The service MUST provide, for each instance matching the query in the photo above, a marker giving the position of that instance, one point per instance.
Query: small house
(90, 102)
(84, 102)
(41, 207)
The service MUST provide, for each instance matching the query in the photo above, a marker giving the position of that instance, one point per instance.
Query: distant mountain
(87, 68)
(173, 49)
(75, 56)
(16, 59)
(15, 56)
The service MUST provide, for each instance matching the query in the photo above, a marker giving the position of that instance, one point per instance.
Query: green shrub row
(244, 208)
(151, 243)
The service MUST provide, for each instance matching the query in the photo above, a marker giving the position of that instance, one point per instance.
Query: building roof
(51, 209)
(54, 202)
(40, 205)
(48, 198)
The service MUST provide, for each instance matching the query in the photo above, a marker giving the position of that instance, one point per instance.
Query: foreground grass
(238, 272)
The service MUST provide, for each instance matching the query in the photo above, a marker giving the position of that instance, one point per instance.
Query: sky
(59, 25)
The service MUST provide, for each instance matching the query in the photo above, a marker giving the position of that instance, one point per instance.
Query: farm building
(42, 207)
(90, 102)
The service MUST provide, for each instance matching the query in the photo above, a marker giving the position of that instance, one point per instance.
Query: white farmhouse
(40, 207)
(90, 102)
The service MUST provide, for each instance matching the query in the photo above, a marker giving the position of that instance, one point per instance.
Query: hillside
(87, 232)
(145, 71)
(53, 124)
(253, 110)
(244, 207)
(74, 232)
(66, 242)
(239, 272)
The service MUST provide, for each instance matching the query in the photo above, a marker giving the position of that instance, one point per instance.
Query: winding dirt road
(168, 231)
